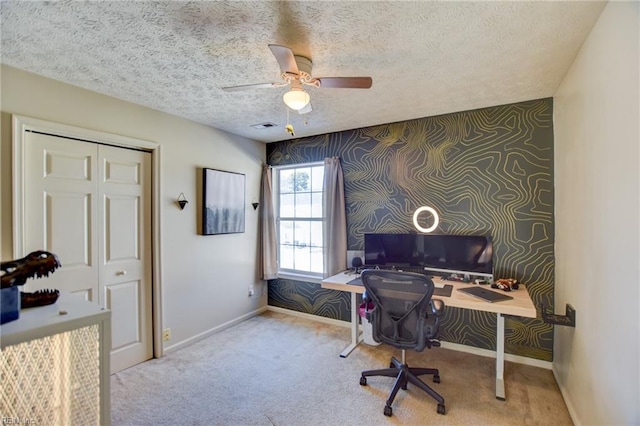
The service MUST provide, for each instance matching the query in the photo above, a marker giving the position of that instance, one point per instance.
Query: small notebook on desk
(485, 294)
(443, 291)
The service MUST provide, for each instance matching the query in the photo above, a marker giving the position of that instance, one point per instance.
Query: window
(299, 219)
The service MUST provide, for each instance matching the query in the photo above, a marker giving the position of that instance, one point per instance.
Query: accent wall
(486, 171)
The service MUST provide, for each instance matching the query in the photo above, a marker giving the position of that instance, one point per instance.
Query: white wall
(596, 124)
(205, 279)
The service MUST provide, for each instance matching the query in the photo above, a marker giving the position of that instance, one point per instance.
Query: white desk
(521, 305)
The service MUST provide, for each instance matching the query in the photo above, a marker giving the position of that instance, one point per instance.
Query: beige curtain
(269, 265)
(335, 222)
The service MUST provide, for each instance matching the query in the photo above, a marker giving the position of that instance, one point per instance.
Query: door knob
(121, 273)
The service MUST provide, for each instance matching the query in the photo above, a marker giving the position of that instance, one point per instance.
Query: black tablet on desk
(485, 294)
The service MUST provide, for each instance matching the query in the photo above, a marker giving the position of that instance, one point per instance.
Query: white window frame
(293, 274)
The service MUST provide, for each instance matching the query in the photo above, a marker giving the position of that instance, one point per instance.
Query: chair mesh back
(401, 304)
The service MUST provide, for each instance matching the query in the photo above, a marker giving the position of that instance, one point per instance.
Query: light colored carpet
(277, 369)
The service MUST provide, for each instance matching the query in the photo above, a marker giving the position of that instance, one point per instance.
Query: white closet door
(91, 205)
(125, 251)
(60, 193)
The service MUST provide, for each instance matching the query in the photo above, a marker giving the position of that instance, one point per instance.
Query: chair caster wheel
(436, 378)
(404, 387)
(363, 381)
(388, 411)
(440, 408)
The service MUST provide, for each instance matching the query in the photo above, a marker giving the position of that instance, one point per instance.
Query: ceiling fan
(296, 72)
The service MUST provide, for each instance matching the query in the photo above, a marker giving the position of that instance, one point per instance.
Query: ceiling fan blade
(252, 86)
(305, 109)
(346, 82)
(285, 59)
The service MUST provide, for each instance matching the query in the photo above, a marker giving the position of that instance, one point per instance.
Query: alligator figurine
(38, 298)
(37, 264)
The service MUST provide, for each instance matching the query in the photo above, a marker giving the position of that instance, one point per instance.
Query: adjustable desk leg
(355, 335)
(500, 394)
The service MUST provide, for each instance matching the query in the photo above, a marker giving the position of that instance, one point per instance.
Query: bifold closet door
(60, 193)
(124, 218)
(91, 205)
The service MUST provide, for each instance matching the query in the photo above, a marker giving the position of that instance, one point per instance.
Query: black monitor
(459, 253)
(446, 253)
(391, 249)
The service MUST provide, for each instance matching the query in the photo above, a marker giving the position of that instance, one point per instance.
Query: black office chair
(404, 316)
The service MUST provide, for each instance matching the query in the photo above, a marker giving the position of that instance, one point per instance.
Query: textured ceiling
(425, 58)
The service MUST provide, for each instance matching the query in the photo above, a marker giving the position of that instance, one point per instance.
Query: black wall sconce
(255, 205)
(182, 201)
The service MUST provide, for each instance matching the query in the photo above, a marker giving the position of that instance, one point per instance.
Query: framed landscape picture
(223, 202)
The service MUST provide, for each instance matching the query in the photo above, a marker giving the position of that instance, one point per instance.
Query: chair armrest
(437, 307)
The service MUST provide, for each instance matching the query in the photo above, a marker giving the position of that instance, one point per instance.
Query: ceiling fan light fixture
(296, 98)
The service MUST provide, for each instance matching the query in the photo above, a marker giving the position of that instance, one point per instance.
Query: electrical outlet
(166, 334)
(250, 291)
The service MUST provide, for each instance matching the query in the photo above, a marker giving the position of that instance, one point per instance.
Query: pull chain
(289, 126)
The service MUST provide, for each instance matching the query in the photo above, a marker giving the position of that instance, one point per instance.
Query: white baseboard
(214, 330)
(448, 345)
(311, 317)
(492, 354)
(565, 395)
